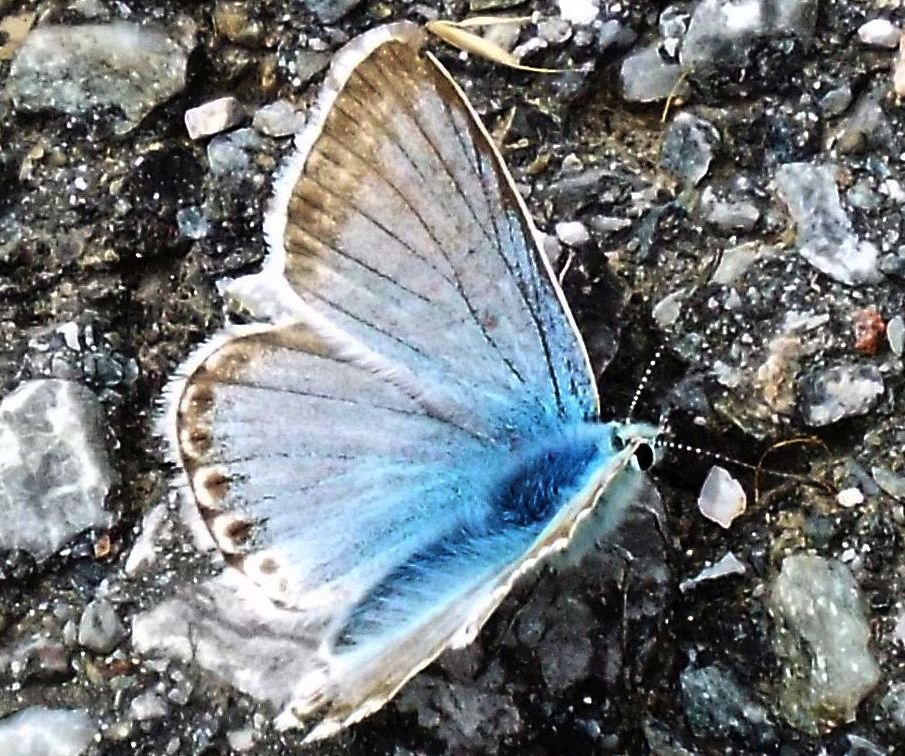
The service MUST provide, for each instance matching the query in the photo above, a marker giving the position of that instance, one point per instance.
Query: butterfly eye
(644, 457)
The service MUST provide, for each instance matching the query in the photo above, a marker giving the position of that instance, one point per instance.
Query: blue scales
(410, 425)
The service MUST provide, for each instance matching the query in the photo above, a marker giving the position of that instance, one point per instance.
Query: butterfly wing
(397, 222)
(345, 457)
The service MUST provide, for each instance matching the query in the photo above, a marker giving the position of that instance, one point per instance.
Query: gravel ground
(718, 179)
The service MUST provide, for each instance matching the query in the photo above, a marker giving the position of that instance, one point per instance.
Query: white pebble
(722, 497)
(572, 233)
(895, 334)
(850, 497)
(213, 117)
(879, 32)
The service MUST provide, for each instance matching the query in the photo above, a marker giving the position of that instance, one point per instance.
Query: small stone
(100, 629)
(613, 36)
(330, 11)
(572, 233)
(241, 740)
(822, 638)
(893, 265)
(722, 497)
(734, 262)
(667, 310)
(687, 148)
(148, 706)
(231, 154)
(307, 65)
(730, 216)
(278, 119)
(213, 117)
(728, 565)
(850, 497)
(825, 236)
(578, 11)
(867, 127)
(895, 335)
(898, 71)
(607, 225)
(646, 77)
(836, 101)
(879, 32)
(831, 394)
(54, 470)
(79, 69)
(724, 33)
(889, 481)
(39, 731)
(554, 31)
(868, 327)
(192, 223)
(717, 706)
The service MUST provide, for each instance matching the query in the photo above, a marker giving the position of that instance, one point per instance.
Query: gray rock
(307, 64)
(722, 32)
(741, 215)
(77, 69)
(717, 706)
(100, 628)
(825, 236)
(148, 706)
(39, 731)
(192, 223)
(821, 637)
(329, 11)
(895, 334)
(213, 116)
(54, 471)
(646, 77)
(688, 148)
(231, 154)
(836, 101)
(867, 127)
(278, 119)
(831, 394)
(889, 481)
(613, 34)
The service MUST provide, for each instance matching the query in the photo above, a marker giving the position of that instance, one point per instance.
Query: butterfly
(410, 424)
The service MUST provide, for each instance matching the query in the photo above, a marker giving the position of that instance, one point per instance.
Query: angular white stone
(879, 32)
(54, 471)
(728, 565)
(722, 497)
(39, 731)
(213, 117)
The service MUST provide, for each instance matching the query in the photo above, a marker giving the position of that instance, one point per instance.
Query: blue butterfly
(413, 421)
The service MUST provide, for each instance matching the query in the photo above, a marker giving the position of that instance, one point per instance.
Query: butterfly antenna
(758, 469)
(642, 384)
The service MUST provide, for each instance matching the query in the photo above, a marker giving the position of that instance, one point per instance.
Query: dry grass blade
(456, 33)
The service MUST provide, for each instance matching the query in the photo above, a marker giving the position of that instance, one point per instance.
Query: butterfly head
(640, 442)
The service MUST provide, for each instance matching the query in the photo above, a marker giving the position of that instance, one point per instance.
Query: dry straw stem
(457, 34)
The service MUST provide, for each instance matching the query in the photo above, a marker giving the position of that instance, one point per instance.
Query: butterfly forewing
(402, 227)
